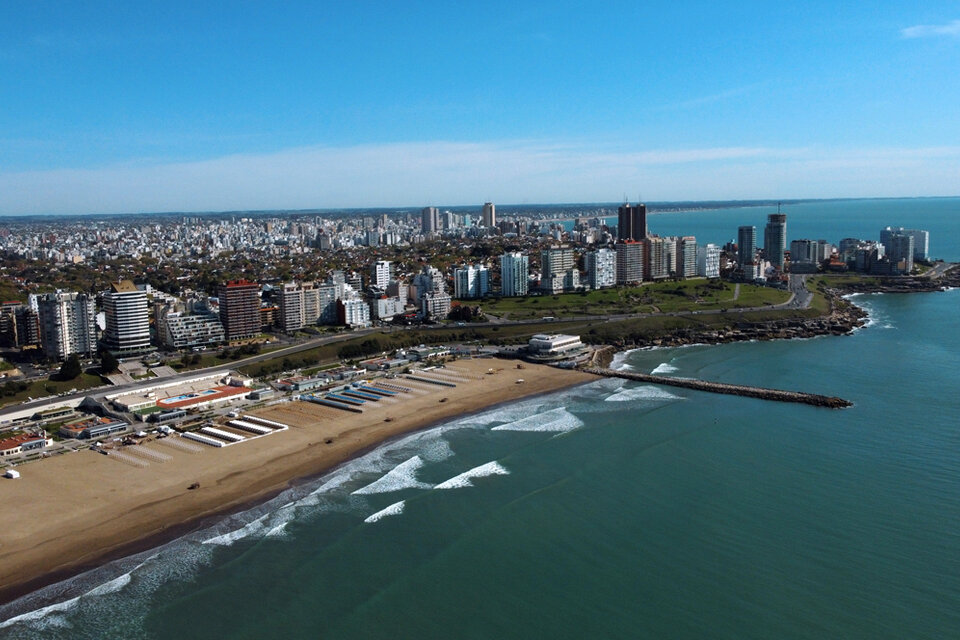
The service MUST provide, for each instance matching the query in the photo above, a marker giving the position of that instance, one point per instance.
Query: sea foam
(465, 479)
(632, 394)
(403, 476)
(393, 510)
(554, 420)
(664, 367)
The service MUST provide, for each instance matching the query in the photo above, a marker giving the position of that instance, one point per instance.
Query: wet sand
(73, 512)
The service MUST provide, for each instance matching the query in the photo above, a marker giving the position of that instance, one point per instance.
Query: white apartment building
(472, 281)
(514, 269)
(687, 257)
(67, 323)
(708, 261)
(601, 266)
(381, 274)
(354, 312)
(181, 331)
(630, 262)
(436, 305)
(127, 319)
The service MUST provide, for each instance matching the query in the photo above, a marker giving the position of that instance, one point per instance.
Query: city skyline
(184, 108)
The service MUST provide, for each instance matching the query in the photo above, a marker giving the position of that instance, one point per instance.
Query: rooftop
(15, 441)
(124, 286)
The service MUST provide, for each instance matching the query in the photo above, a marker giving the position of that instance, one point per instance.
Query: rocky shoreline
(904, 284)
(843, 318)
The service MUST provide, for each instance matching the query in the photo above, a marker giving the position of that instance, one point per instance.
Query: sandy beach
(73, 512)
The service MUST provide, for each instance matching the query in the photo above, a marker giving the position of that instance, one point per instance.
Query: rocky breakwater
(778, 395)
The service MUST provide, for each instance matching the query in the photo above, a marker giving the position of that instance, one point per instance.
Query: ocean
(612, 510)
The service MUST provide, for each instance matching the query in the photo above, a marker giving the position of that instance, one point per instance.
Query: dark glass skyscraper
(632, 222)
(775, 238)
(746, 245)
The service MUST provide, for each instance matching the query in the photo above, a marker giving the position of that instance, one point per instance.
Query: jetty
(763, 393)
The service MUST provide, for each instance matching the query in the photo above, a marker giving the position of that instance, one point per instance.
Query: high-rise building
(559, 270)
(354, 312)
(430, 220)
(630, 262)
(429, 280)
(555, 261)
(601, 266)
(19, 325)
(804, 251)
(660, 254)
(291, 307)
(775, 239)
(180, 331)
(239, 309)
(327, 296)
(471, 281)
(398, 289)
(632, 222)
(921, 240)
(127, 319)
(435, 305)
(746, 245)
(381, 274)
(687, 257)
(67, 324)
(311, 303)
(708, 261)
(899, 250)
(489, 214)
(514, 268)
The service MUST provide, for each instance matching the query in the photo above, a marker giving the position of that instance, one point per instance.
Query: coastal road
(938, 270)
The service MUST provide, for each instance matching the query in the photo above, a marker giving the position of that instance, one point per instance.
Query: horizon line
(746, 202)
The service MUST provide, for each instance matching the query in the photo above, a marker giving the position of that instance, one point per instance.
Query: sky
(113, 107)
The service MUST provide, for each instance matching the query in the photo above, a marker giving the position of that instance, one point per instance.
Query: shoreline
(844, 318)
(150, 518)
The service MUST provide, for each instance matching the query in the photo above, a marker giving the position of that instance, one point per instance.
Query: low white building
(557, 344)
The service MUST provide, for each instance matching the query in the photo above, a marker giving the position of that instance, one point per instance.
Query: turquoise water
(614, 510)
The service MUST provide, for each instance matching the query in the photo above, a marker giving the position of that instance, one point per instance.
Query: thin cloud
(951, 29)
(451, 173)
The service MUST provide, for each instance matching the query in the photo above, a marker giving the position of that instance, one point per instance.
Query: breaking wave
(646, 392)
(664, 367)
(403, 476)
(465, 479)
(393, 510)
(554, 420)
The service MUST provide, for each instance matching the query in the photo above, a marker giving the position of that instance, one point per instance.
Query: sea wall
(778, 395)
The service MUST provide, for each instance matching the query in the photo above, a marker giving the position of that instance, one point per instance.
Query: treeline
(13, 387)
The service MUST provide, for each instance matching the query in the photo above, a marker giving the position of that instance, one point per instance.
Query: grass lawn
(659, 297)
(328, 355)
(42, 388)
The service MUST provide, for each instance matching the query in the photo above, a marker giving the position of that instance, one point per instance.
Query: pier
(778, 395)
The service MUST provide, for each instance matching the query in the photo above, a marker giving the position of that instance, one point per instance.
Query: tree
(71, 368)
(108, 362)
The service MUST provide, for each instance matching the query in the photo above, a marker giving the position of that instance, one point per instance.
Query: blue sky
(114, 107)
